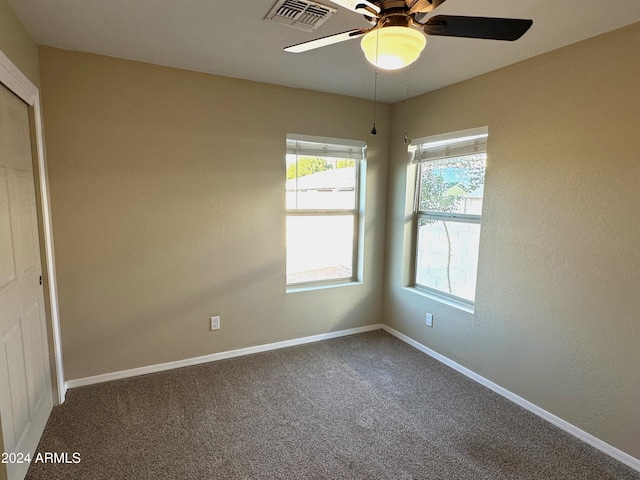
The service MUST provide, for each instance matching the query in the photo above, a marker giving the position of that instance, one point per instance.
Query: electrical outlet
(215, 323)
(429, 319)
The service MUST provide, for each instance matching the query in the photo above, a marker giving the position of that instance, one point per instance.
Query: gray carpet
(360, 407)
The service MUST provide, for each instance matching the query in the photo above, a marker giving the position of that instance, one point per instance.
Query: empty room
(388, 239)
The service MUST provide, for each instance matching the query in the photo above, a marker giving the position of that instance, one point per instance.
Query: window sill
(325, 286)
(442, 299)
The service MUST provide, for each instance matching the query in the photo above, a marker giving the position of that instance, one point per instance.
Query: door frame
(23, 88)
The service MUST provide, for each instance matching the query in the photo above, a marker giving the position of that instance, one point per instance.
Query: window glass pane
(447, 256)
(453, 185)
(319, 248)
(320, 183)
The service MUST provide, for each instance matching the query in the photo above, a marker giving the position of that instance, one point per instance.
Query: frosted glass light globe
(393, 48)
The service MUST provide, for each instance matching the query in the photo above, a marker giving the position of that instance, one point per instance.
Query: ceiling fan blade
(477, 27)
(422, 6)
(324, 41)
(359, 6)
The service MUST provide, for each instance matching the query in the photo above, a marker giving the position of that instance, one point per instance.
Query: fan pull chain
(406, 108)
(375, 86)
(375, 99)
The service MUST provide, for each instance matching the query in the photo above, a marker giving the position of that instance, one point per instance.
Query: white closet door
(25, 382)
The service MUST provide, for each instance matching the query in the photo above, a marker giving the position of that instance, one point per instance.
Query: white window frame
(440, 147)
(343, 149)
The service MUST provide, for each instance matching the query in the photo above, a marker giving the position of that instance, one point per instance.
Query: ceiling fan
(395, 40)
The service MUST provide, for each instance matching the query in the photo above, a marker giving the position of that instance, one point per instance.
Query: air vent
(299, 14)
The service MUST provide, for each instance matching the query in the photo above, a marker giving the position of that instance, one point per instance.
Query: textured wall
(557, 303)
(167, 192)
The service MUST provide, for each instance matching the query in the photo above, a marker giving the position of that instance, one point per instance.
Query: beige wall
(167, 192)
(557, 304)
(17, 44)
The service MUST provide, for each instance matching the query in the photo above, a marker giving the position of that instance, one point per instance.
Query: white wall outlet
(215, 323)
(429, 319)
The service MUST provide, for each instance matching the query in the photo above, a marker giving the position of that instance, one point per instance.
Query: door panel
(7, 257)
(25, 380)
(37, 349)
(27, 219)
(13, 349)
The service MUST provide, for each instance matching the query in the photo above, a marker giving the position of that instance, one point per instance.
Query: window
(448, 212)
(323, 210)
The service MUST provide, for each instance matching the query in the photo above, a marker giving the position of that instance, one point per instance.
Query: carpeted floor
(366, 406)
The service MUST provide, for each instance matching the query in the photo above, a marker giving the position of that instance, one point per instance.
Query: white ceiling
(232, 38)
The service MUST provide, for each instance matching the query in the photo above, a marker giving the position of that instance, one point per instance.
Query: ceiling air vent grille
(300, 14)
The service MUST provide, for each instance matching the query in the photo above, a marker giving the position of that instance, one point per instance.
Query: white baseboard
(134, 372)
(551, 418)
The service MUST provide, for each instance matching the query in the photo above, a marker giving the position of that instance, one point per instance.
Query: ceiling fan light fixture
(393, 47)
